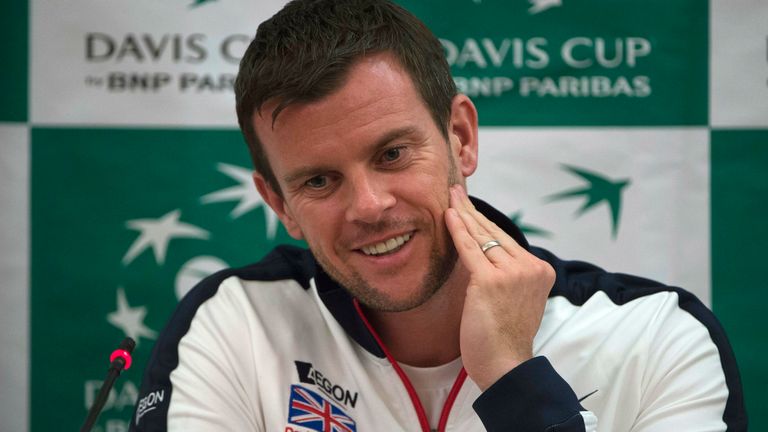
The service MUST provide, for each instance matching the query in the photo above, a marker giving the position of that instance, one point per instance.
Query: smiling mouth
(388, 246)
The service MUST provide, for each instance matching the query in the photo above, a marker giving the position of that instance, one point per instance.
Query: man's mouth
(387, 246)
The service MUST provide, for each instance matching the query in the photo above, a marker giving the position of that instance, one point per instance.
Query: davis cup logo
(157, 235)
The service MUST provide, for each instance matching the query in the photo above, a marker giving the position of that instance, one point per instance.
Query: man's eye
(317, 182)
(391, 155)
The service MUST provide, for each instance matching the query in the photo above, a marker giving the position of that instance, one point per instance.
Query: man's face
(365, 174)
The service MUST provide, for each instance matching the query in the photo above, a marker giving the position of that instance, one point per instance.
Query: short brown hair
(303, 53)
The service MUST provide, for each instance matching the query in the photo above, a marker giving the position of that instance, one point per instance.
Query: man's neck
(427, 335)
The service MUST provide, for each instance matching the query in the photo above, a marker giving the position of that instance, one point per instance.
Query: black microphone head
(128, 345)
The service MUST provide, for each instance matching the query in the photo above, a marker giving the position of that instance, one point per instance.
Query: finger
(478, 232)
(494, 247)
(487, 226)
(466, 211)
(497, 255)
(466, 245)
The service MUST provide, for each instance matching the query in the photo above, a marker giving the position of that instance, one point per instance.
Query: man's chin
(378, 295)
(382, 299)
(381, 302)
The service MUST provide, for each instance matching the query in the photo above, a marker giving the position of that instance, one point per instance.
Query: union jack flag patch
(310, 410)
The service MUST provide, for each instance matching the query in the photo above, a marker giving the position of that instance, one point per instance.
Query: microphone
(119, 360)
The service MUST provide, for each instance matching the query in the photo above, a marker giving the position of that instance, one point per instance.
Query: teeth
(391, 244)
(386, 246)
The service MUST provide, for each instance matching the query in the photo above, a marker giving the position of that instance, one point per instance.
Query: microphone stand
(120, 359)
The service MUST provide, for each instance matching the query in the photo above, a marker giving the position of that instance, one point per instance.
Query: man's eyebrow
(310, 171)
(394, 135)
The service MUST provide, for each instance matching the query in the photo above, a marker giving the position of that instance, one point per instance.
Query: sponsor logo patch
(308, 374)
(149, 403)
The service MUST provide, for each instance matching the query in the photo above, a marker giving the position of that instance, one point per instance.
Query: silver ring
(487, 245)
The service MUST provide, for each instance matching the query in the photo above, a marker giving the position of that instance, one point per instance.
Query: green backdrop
(124, 179)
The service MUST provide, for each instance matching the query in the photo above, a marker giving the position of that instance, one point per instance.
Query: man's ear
(462, 133)
(277, 203)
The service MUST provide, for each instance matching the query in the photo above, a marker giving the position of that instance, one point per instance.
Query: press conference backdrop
(633, 134)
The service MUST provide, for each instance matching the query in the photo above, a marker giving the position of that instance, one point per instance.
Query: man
(416, 307)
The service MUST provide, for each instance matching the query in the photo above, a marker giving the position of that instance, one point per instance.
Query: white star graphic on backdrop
(246, 193)
(158, 232)
(542, 5)
(130, 320)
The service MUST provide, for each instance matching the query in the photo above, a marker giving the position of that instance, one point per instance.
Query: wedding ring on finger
(487, 245)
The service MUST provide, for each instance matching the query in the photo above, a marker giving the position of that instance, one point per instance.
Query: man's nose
(369, 197)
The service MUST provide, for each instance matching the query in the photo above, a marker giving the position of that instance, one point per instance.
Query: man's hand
(507, 292)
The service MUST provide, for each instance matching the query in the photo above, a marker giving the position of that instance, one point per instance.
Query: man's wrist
(487, 375)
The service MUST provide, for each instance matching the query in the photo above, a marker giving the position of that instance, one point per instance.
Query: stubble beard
(440, 267)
